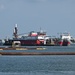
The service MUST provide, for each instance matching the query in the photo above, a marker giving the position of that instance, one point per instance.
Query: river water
(39, 64)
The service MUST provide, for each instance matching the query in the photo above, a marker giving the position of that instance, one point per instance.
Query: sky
(53, 16)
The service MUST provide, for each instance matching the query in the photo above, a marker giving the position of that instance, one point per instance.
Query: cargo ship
(30, 39)
(36, 39)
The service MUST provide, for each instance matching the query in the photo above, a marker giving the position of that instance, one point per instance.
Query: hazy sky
(52, 16)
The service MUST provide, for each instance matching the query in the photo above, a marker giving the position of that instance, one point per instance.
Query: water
(40, 65)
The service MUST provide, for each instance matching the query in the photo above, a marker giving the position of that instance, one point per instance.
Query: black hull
(33, 43)
(29, 45)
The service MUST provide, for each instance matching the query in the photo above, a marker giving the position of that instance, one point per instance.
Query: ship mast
(15, 31)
